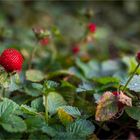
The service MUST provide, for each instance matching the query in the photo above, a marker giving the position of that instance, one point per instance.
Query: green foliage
(85, 87)
(60, 93)
(53, 101)
(28, 110)
(73, 111)
(34, 75)
(133, 112)
(38, 136)
(9, 120)
(81, 128)
(7, 107)
(131, 64)
(34, 123)
(13, 123)
(33, 89)
(49, 86)
(37, 104)
(134, 84)
(107, 80)
(49, 130)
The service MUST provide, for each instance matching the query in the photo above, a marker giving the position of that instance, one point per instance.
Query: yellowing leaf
(64, 117)
(107, 107)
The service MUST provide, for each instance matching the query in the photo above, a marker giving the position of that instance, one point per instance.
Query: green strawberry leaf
(81, 128)
(34, 75)
(34, 123)
(13, 123)
(28, 110)
(53, 101)
(7, 107)
(133, 112)
(37, 104)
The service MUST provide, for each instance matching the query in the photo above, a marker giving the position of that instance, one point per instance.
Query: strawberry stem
(130, 78)
(46, 110)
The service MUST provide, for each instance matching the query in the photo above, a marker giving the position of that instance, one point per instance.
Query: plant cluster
(73, 97)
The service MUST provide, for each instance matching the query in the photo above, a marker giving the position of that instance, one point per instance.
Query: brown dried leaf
(107, 107)
(124, 99)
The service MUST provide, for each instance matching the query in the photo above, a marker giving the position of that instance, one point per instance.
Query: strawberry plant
(63, 77)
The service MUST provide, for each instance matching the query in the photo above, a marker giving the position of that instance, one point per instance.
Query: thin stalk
(32, 56)
(46, 109)
(130, 78)
(3, 92)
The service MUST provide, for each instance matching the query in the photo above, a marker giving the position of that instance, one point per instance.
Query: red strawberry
(44, 41)
(115, 93)
(76, 49)
(92, 27)
(11, 60)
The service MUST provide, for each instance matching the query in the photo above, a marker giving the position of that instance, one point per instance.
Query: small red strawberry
(11, 60)
(92, 27)
(44, 41)
(115, 93)
(75, 49)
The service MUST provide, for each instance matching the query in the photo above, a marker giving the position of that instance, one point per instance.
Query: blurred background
(117, 28)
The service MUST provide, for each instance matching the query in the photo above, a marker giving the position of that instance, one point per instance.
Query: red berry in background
(76, 50)
(92, 27)
(138, 57)
(12, 60)
(44, 41)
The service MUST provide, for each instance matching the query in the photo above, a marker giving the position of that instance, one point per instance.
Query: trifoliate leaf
(81, 127)
(107, 107)
(64, 117)
(53, 101)
(34, 75)
(133, 112)
(13, 123)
